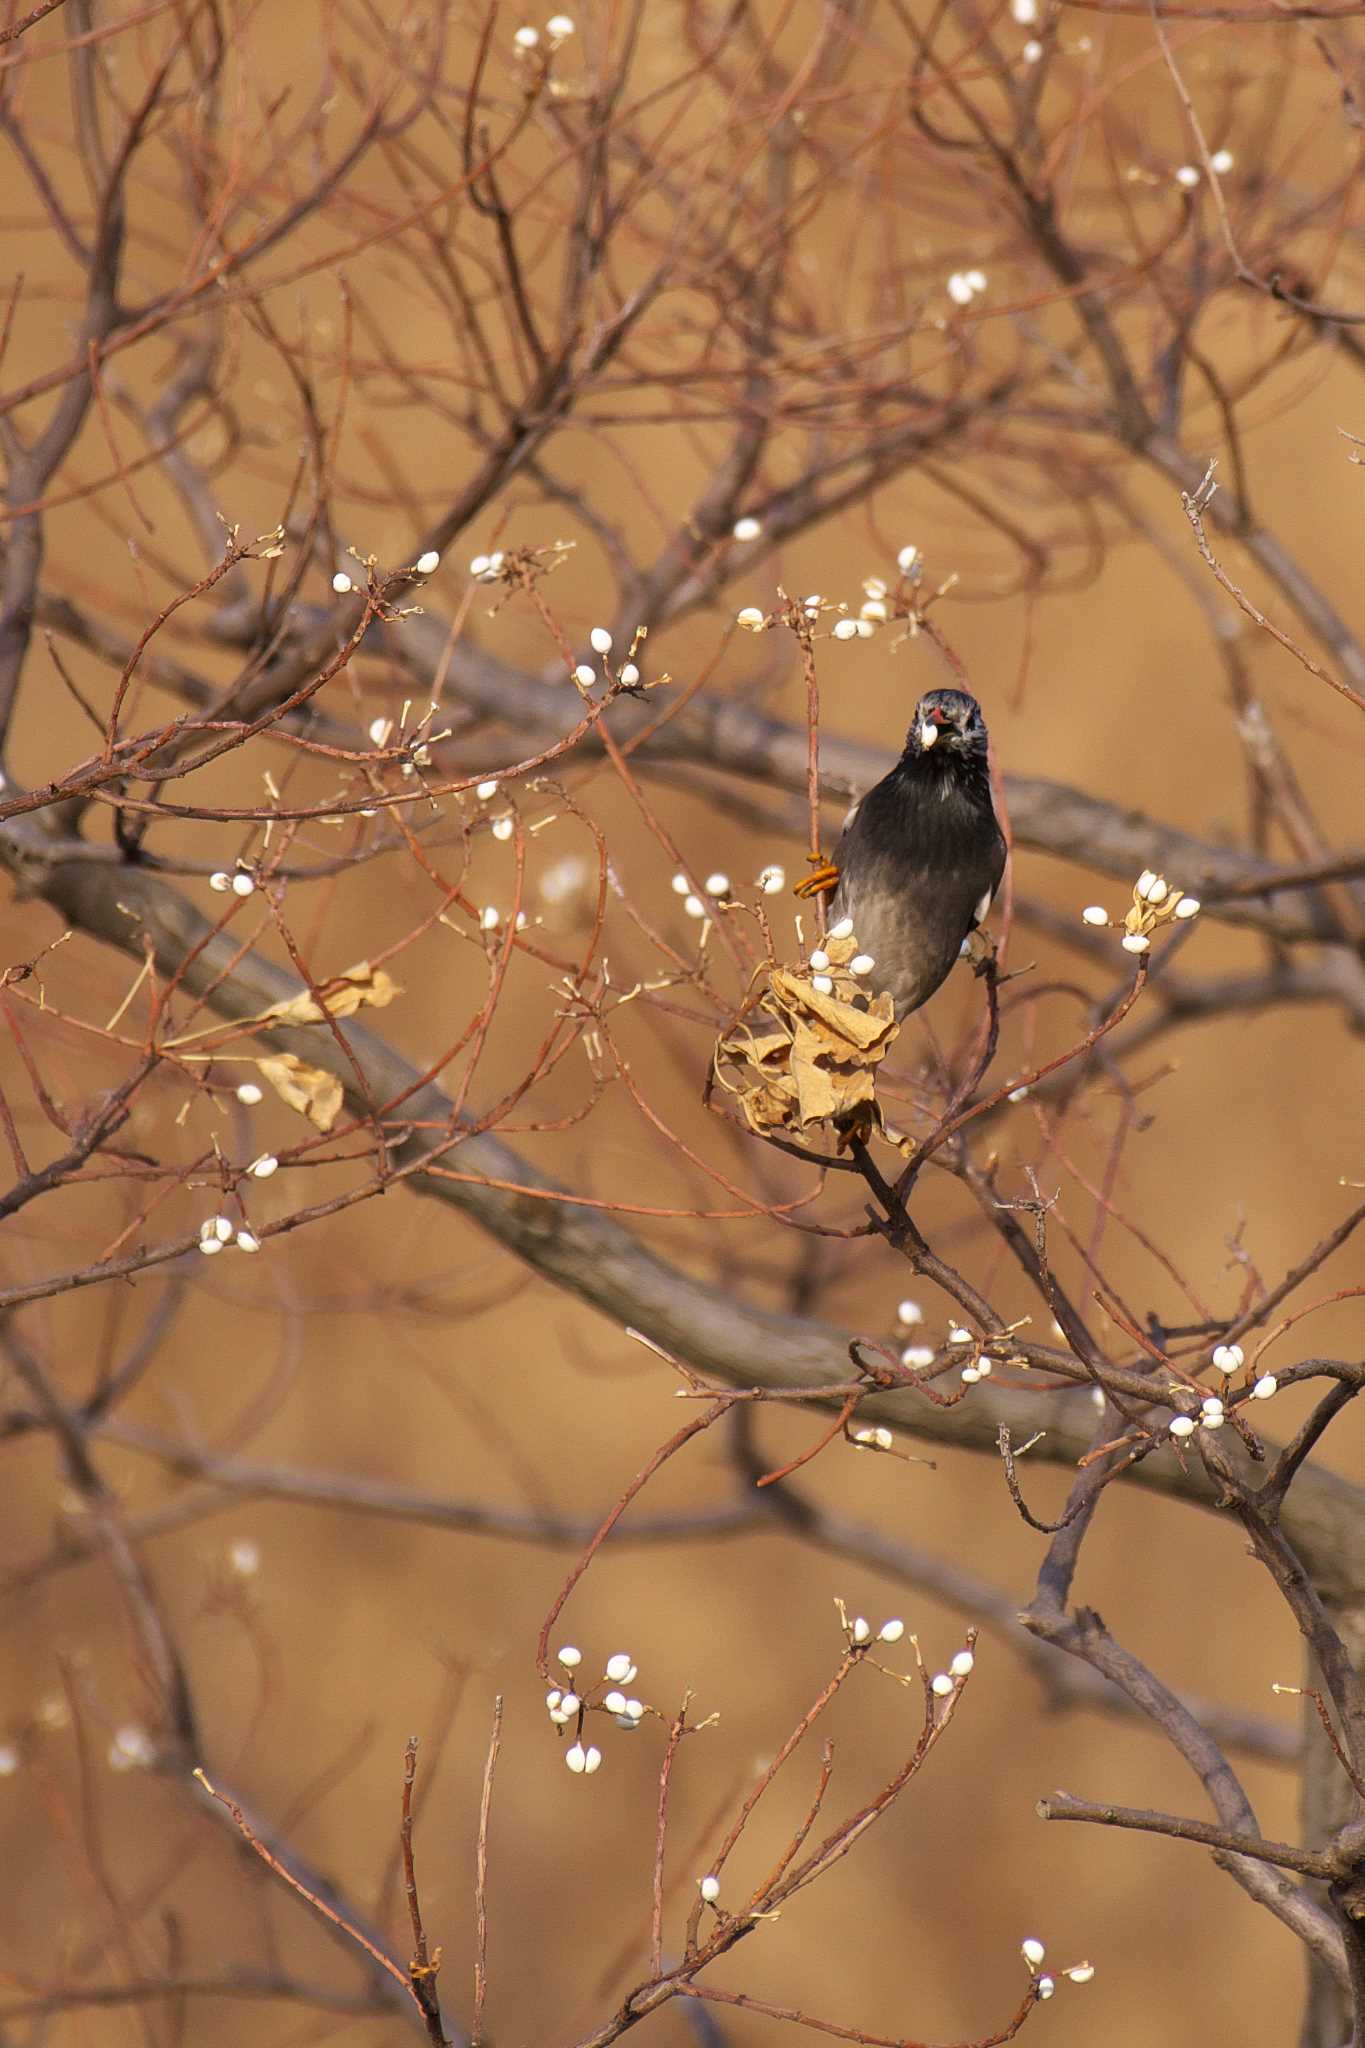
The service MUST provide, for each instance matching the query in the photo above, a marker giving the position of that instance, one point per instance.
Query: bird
(921, 854)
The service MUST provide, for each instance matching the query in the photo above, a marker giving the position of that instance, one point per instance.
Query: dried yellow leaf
(800, 1056)
(309, 1090)
(357, 988)
(848, 1025)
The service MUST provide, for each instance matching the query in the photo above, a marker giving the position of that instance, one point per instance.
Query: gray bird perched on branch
(922, 853)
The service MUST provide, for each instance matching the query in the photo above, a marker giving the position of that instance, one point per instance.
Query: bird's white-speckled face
(947, 719)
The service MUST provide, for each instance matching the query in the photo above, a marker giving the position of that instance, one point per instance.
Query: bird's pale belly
(908, 935)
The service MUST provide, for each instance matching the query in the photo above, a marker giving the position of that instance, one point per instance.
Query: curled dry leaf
(796, 1055)
(316, 1095)
(356, 988)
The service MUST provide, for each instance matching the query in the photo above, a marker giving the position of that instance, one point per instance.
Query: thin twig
(481, 1880)
(421, 1970)
(295, 1884)
(1194, 503)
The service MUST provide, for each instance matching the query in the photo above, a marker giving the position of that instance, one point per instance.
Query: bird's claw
(824, 880)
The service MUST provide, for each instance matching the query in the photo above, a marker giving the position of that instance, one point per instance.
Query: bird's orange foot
(824, 880)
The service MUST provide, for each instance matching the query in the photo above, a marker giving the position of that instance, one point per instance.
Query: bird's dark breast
(915, 863)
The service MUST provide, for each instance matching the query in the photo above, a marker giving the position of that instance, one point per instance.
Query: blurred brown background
(395, 1342)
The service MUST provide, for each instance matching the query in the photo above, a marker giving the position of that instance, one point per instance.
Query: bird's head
(948, 721)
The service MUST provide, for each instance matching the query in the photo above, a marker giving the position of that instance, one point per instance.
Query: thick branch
(1045, 816)
(593, 1255)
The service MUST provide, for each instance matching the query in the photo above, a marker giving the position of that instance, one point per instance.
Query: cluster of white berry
(981, 1359)
(966, 285)
(910, 1315)
(557, 30)
(769, 881)
(600, 641)
(873, 611)
(568, 1703)
(852, 961)
(859, 1634)
(241, 883)
(1229, 1359)
(215, 1232)
(1155, 902)
(694, 894)
(1035, 1955)
(343, 583)
(1188, 176)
